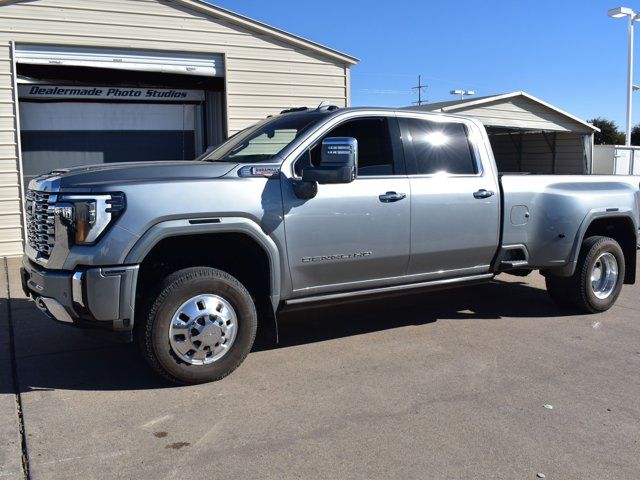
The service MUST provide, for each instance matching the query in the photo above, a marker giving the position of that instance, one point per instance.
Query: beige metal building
(92, 81)
(528, 134)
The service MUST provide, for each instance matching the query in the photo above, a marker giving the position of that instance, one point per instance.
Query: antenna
(419, 88)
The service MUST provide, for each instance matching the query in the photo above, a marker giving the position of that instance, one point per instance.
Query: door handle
(390, 197)
(482, 193)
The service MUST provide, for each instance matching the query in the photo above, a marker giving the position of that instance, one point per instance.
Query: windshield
(265, 140)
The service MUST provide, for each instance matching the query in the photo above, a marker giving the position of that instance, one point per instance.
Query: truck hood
(91, 177)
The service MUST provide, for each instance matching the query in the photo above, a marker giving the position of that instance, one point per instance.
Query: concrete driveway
(449, 385)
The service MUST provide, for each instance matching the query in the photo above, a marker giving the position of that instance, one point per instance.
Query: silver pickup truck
(311, 206)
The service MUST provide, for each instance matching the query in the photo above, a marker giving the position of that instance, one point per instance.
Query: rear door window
(438, 147)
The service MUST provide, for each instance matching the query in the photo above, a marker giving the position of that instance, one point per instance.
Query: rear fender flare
(593, 215)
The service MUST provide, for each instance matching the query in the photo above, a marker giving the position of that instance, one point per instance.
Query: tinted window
(375, 154)
(440, 147)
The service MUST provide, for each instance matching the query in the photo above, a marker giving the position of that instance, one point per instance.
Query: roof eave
(472, 103)
(260, 27)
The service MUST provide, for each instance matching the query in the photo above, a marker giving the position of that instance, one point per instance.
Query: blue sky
(567, 52)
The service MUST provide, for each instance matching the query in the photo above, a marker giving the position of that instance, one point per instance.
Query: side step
(513, 264)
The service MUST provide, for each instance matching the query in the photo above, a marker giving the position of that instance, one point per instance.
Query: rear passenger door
(455, 211)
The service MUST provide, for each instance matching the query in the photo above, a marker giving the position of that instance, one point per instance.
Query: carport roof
(249, 23)
(472, 105)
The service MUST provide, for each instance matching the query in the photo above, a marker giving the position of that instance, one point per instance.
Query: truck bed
(544, 216)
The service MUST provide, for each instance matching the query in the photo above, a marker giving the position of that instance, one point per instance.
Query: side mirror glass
(338, 162)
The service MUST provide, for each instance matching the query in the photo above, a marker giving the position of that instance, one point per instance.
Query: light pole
(462, 93)
(622, 12)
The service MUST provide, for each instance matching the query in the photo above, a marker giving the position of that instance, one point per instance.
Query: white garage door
(64, 134)
(68, 125)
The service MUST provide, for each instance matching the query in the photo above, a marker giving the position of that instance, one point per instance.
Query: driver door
(354, 235)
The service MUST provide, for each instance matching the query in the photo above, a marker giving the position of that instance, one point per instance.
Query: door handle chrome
(390, 197)
(480, 194)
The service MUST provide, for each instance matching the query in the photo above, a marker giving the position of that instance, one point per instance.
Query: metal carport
(528, 134)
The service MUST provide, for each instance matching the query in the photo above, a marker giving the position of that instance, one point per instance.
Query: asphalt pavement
(491, 381)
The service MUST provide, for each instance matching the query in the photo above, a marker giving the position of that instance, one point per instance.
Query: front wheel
(597, 281)
(200, 328)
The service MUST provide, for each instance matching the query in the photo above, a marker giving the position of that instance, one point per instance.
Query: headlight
(88, 216)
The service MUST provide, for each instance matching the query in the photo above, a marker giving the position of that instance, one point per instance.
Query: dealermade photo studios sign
(75, 92)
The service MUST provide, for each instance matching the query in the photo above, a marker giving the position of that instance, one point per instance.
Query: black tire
(558, 290)
(580, 292)
(176, 289)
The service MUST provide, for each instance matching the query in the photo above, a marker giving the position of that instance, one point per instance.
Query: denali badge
(266, 171)
(340, 256)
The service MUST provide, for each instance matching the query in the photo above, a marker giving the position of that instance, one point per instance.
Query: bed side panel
(547, 213)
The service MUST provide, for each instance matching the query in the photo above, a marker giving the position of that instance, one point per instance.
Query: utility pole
(419, 88)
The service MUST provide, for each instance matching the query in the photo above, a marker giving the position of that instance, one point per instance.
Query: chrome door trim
(394, 288)
(414, 278)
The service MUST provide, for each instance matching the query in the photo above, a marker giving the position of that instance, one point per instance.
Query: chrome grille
(40, 221)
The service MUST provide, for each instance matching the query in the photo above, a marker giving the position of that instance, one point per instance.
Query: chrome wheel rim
(203, 329)
(604, 275)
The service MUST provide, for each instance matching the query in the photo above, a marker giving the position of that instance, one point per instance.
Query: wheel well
(235, 253)
(622, 230)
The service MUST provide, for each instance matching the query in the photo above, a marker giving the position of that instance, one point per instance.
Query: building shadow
(51, 356)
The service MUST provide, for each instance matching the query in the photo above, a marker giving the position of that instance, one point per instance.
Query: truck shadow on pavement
(490, 301)
(54, 356)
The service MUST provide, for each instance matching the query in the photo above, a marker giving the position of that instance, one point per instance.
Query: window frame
(394, 132)
(410, 154)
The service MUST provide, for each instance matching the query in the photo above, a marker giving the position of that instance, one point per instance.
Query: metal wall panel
(10, 192)
(7, 137)
(11, 248)
(571, 154)
(537, 157)
(8, 204)
(10, 234)
(7, 151)
(253, 77)
(11, 220)
(5, 68)
(8, 179)
(8, 165)
(6, 95)
(246, 89)
(7, 122)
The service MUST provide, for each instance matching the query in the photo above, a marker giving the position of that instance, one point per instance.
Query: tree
(635, 135)
(609, 133)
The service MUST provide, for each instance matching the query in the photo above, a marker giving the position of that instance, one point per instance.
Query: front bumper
(101, 297)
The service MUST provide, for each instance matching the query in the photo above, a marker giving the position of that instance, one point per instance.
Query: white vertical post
(632, 19)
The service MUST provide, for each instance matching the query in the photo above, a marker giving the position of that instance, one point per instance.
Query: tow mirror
(338, 162)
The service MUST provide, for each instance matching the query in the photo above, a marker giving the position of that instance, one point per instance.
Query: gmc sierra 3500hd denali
(311, 206)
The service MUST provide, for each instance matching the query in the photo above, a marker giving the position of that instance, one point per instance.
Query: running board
(390, 289)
